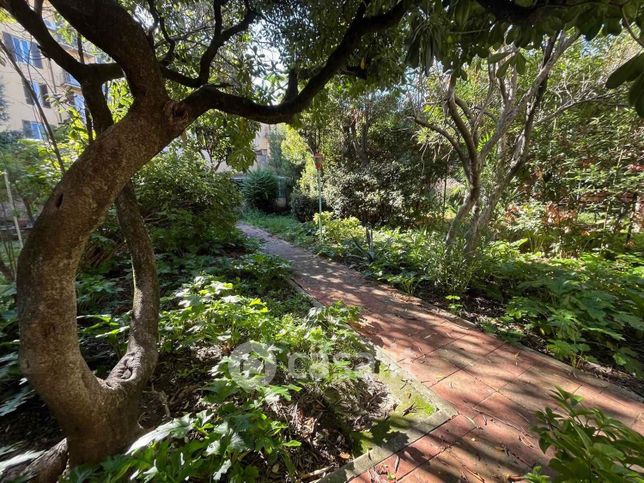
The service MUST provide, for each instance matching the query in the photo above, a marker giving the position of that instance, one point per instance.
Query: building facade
(53, 87)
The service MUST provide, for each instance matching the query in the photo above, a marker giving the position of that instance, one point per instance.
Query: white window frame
(24, 51)
(36, 130)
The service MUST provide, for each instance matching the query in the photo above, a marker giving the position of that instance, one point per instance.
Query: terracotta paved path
(494, 386)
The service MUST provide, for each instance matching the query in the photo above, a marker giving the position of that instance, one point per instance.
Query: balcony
(70, 80)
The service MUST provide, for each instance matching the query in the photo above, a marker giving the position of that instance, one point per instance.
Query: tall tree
(493, 131)
(156, 44)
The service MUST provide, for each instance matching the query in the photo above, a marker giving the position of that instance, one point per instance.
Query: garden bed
(344, 415)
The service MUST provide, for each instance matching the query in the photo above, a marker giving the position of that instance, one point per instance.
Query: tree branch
(452, 140)
(221, 37)
(34, 24)
(465, 133)
(209, 97)
(127, 45)
(160, 21)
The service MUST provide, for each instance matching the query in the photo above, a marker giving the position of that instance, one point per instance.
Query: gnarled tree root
(44, 469)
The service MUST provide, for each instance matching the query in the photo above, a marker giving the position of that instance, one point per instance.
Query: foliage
(304, 206)
(288, 152)
(285, 226)
(238, 430)
(260, 189)
(588, 445)
(221, 139)
(31, 170)
(586, 164)
(95, 290)
(373, 168)
(209, 445)
(412, 260)
(586, 307)
(187, 208)
(13, 387)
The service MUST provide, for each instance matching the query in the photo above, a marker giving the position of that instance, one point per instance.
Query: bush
(260, 190)
(303, 206)
(187, 208)
(589, 446)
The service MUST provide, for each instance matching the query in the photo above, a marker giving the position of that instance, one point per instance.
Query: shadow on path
(496, 387)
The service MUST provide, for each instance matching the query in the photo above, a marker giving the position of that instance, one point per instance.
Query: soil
(323, 422)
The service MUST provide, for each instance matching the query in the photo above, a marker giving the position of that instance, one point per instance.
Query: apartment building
(54, 88)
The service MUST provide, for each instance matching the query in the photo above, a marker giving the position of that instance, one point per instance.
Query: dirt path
(495, 387)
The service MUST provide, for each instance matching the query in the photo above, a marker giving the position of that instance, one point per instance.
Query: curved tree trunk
(470, 201)
(98, 417)
(481, 221)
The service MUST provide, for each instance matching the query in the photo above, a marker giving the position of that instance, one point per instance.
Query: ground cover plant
(229, 426)
(588, 444)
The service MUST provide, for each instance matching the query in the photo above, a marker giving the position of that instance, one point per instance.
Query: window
(70, 79)
(50, 24)
(41, 91)
(28, 98)
(79, 104)
(22, 50)
(33, 130)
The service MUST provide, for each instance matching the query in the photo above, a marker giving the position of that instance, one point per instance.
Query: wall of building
(61, 87)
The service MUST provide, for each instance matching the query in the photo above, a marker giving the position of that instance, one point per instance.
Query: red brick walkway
(494, 386)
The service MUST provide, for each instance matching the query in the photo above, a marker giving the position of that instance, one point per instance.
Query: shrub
(585, 308)
(260, 190)
(187, 208)
(589, 446)
(406, 259)
(303, 206)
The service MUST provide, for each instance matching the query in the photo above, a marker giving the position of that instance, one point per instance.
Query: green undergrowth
(240, 433)
(211, 304)
(587, 444)
(584, 309)
(240, 425)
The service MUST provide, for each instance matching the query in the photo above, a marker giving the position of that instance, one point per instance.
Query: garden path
(494, 386)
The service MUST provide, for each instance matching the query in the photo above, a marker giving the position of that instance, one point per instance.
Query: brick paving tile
(429, 369)
(496, 368)
(498, 407)
(495, 387)
(463, 391)
(420, 451)
(440, 469)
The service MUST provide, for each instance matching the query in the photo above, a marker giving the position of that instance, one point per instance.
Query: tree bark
(98, 417)
(469, 202)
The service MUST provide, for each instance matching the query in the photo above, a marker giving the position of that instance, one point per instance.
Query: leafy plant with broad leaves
(588, 444)
(238, 436)
(586, 308)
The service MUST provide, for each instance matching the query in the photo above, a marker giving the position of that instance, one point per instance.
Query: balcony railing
(70, 80)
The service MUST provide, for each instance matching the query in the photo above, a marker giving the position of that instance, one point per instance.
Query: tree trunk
(98, 417)
(471, 199)
(28, 208)
(481, 220)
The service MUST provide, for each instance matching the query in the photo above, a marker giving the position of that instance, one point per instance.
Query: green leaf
(493, 58)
